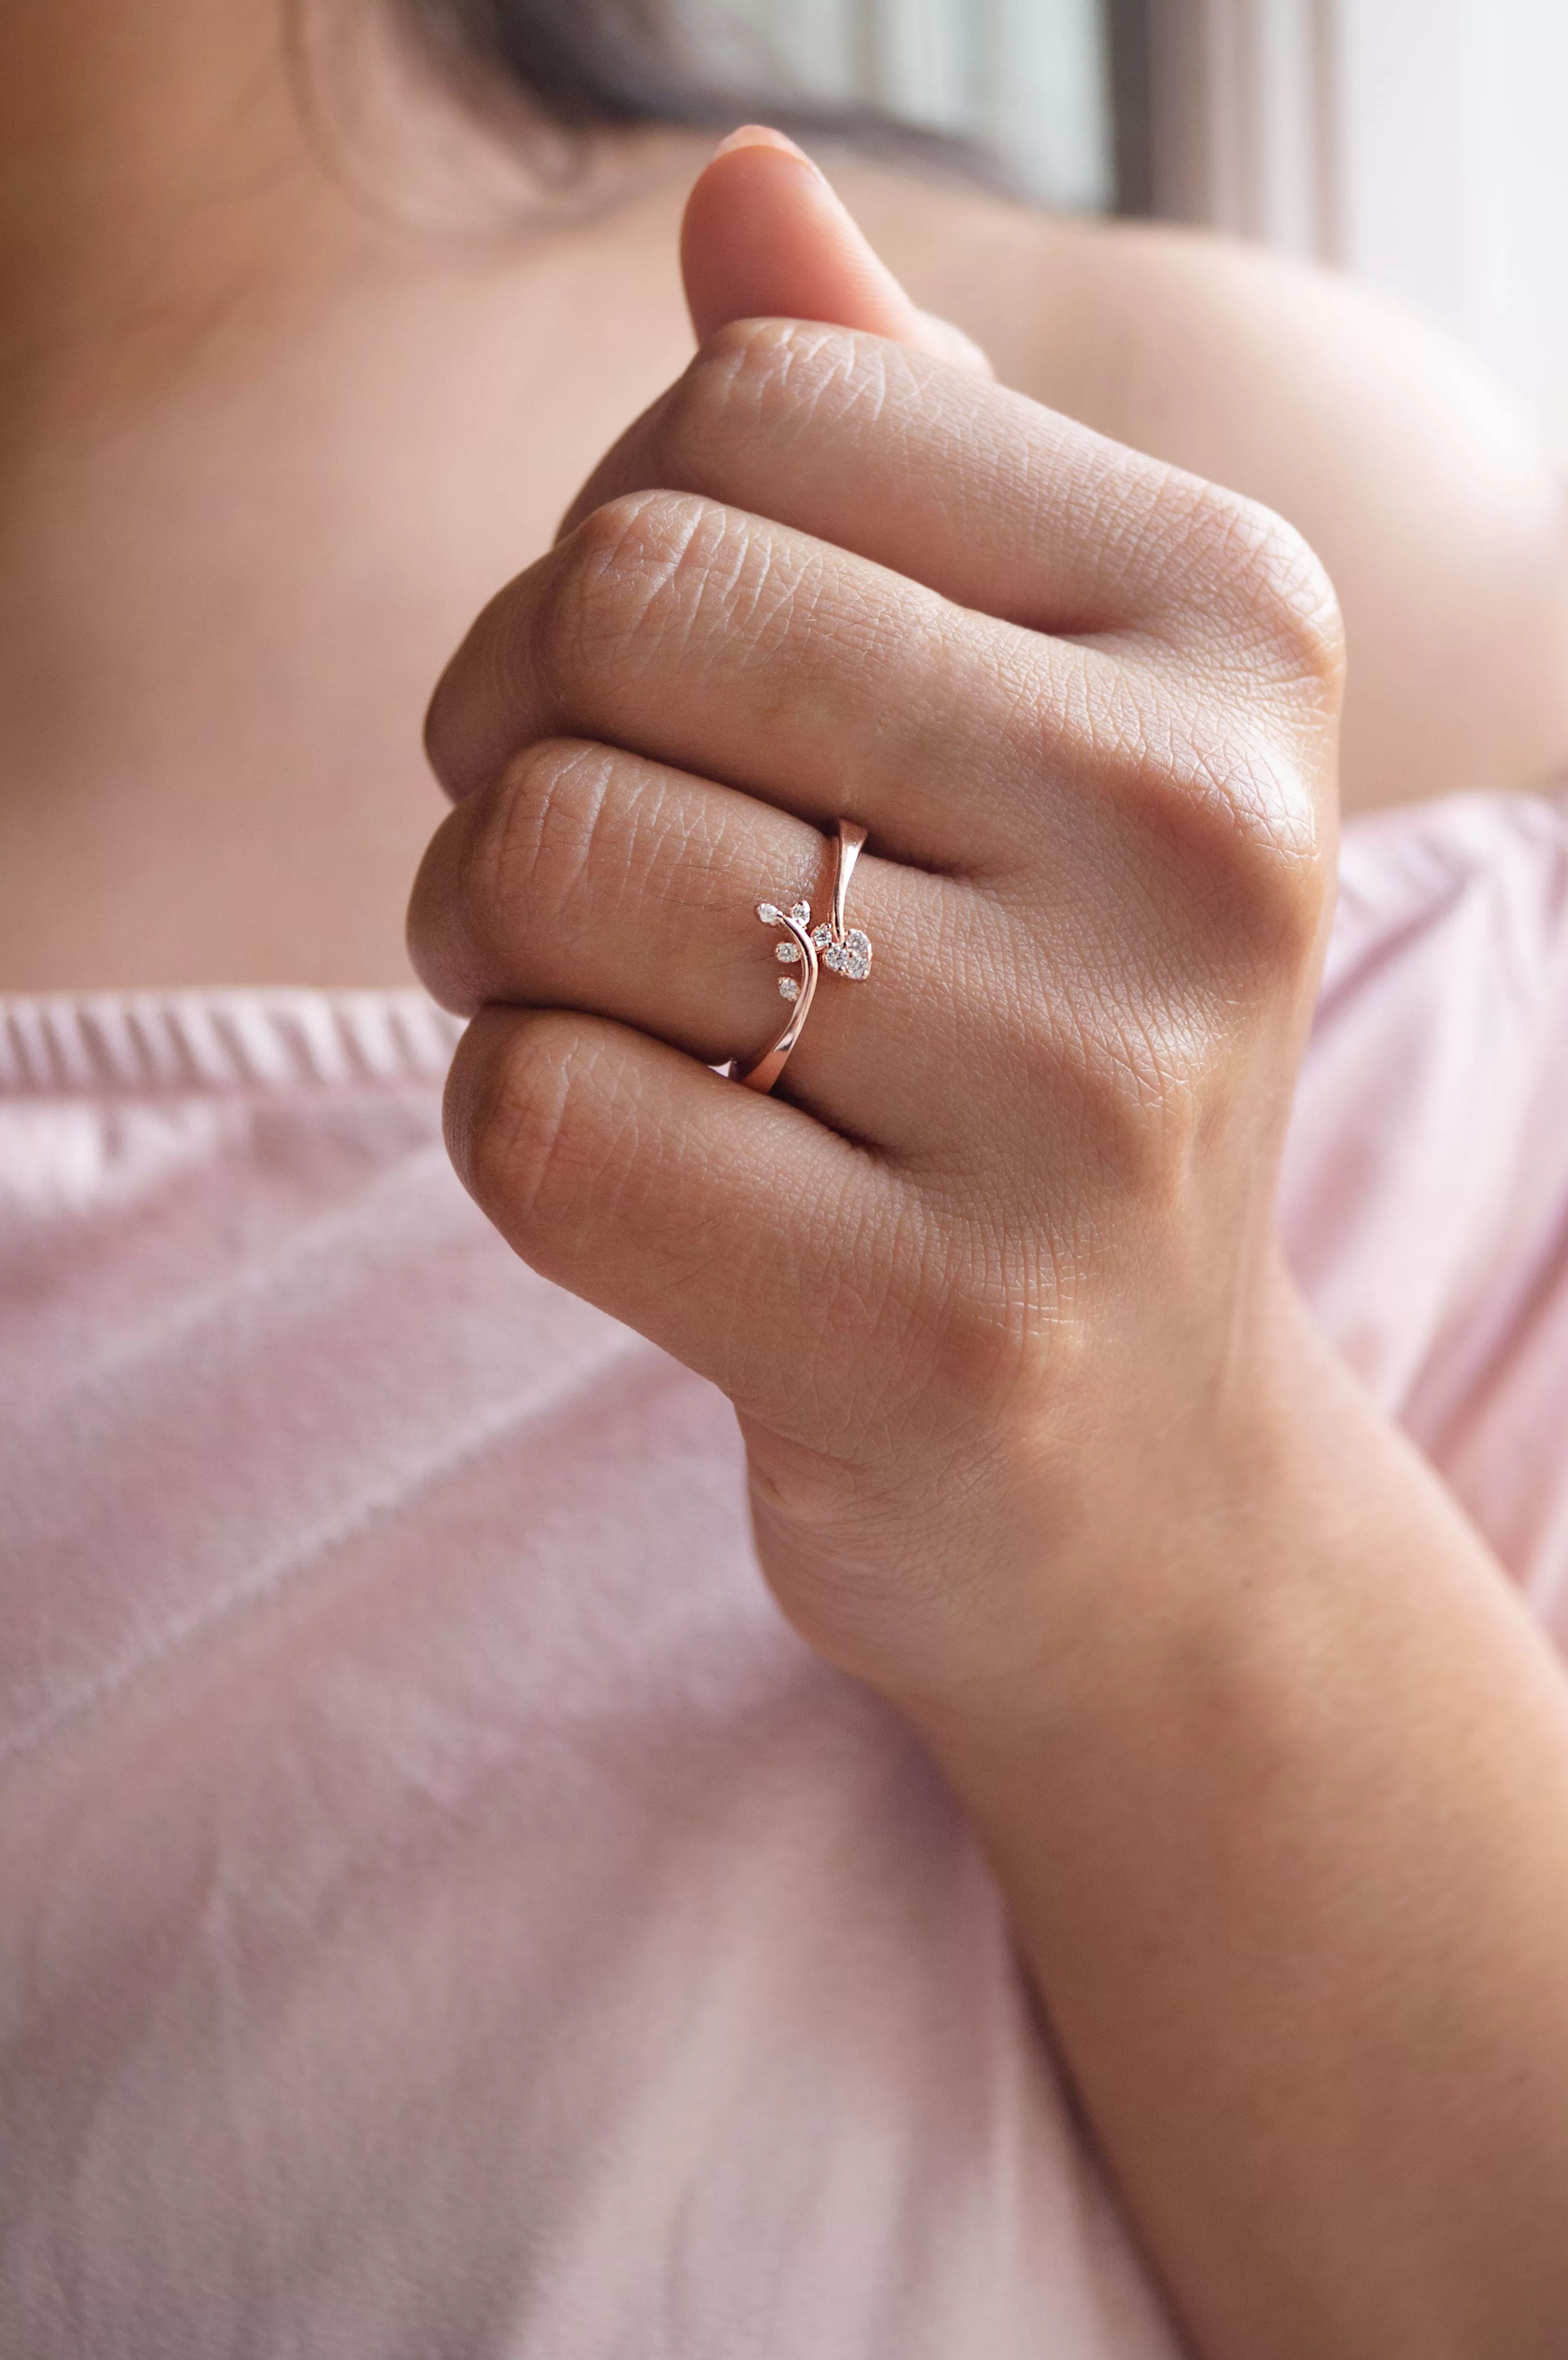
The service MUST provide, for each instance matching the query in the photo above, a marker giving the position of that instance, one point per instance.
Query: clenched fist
(1002, 1236)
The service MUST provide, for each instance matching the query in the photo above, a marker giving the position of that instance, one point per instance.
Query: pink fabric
(443, 1913)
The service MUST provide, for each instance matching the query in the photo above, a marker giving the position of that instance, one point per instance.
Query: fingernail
(761, 134)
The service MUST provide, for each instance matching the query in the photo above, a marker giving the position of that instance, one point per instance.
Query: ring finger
(589, 879)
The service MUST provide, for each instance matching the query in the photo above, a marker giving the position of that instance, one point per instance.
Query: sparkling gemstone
(822, 937)
(788, 987)
(787, 952)
(768, 914)
(852, 958)
(801, 913)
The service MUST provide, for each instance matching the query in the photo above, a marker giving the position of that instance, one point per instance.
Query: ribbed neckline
(73, 1044)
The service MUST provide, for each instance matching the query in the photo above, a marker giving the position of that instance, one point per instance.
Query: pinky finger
(736, 1232)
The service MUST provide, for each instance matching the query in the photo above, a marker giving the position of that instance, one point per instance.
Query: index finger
(979, 493)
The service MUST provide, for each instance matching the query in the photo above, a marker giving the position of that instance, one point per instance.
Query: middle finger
(748, 652)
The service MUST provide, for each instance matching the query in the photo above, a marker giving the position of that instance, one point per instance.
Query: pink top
(444, 1912)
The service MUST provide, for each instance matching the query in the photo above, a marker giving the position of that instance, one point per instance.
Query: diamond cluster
(852, 958)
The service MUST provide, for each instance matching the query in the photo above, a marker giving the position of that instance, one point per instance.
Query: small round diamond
(787, 952)
(788, 987)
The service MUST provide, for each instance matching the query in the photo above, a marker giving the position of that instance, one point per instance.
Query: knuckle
(986, 1334)
(617, 584)
(534, 856)
(1270, 582)
(1124, 1080)
(436, 929)
(509, 1115)
(640, 593)
(1245, 872)
(513, 859)
(1207, 821)
(758, 377)
(722, 397)
(1270, 882)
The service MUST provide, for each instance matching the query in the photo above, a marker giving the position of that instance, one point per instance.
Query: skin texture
(285, 393)
(1272, 1767)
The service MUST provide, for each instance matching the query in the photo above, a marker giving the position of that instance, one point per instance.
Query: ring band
(845, 950)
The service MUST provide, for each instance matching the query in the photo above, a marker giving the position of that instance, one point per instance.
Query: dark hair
(587, 65)
(581, 63)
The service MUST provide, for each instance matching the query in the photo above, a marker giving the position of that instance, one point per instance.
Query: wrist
(1208, 1523)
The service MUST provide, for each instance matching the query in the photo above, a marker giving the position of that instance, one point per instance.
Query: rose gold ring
(844, 949)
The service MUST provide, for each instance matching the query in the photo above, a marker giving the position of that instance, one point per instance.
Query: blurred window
(1028, 78)
(1420, 143)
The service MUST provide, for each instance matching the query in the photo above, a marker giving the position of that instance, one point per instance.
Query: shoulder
(1422, 489)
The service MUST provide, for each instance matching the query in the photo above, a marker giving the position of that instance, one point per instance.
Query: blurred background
(1419, 143)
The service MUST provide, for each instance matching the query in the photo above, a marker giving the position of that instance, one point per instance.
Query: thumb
(765, 237)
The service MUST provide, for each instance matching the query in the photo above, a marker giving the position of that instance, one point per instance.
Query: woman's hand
(1003, 1252)
(1041, 1443)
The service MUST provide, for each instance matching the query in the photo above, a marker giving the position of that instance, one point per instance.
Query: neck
(292, 378)
(156, 170)
(179, 174)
